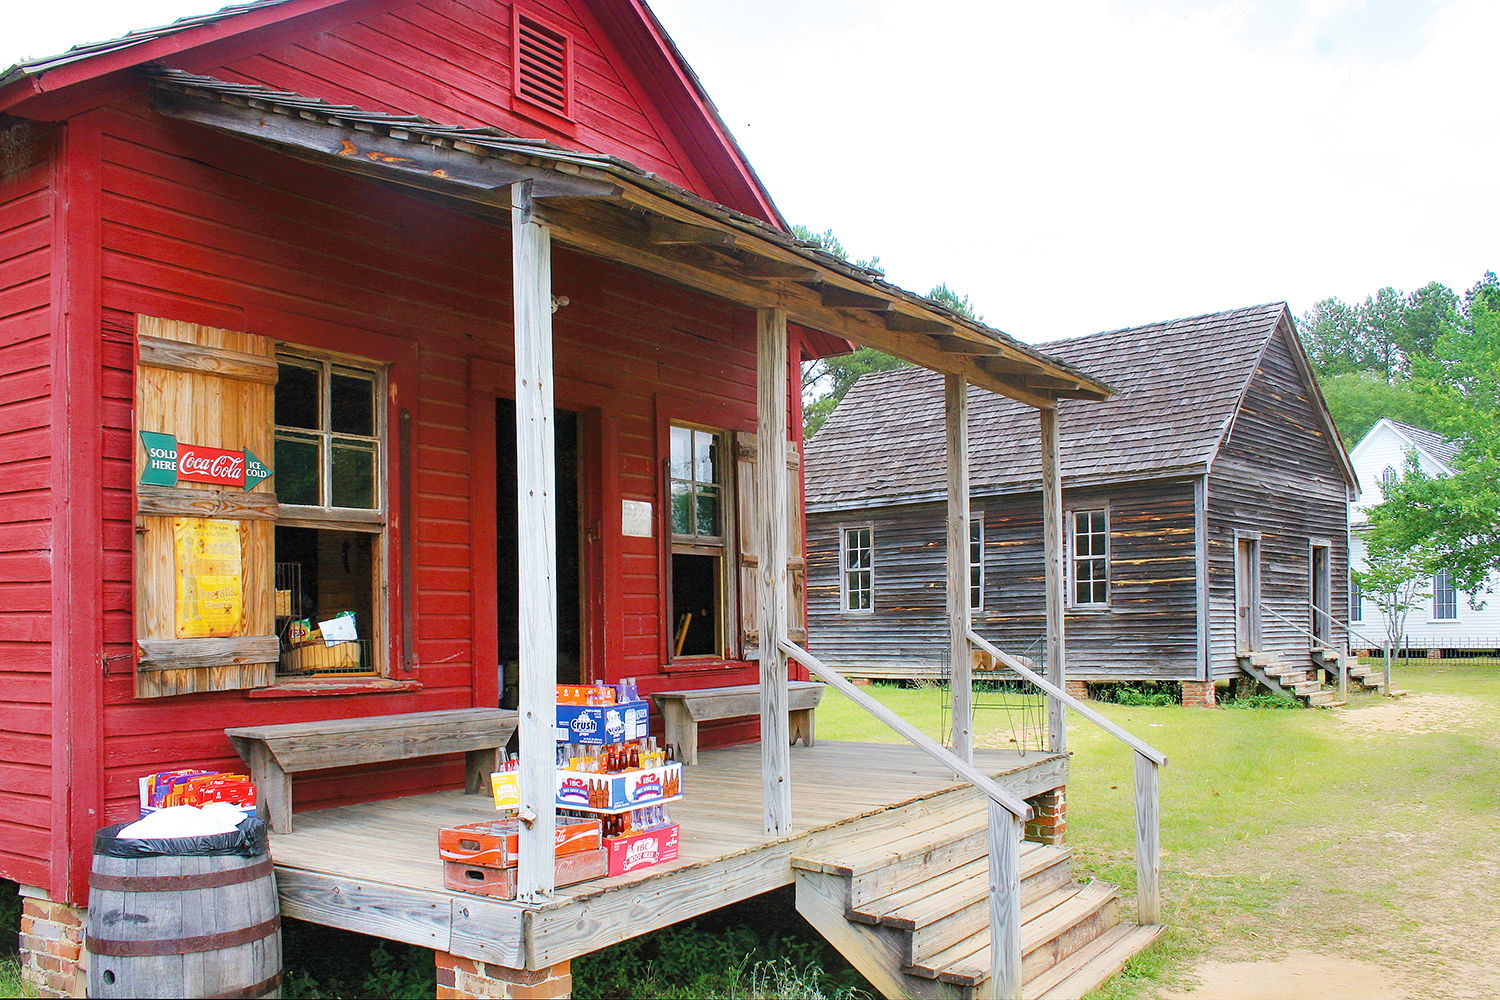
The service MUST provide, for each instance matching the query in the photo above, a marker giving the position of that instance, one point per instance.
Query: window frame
(976, 548)
(364, 520)
(844, 590)
(722, 546)
(1438, 590)
(1071, 576)
(1356, 600)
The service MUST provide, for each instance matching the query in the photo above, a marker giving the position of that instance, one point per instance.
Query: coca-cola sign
(168, 463)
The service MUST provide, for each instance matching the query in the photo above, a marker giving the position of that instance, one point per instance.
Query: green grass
(1332, 829)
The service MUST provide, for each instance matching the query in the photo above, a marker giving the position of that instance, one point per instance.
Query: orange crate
(483, 880)
(495, 844)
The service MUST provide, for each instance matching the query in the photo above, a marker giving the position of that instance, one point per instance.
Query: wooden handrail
(1015, 806)
(1348, 629)
(1005, 816)
(1144, 749)
(1148, 762)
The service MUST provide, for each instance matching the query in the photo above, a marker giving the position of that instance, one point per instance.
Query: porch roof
(607, 207)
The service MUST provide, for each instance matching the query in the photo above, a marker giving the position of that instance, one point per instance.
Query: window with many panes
(857, 559)
(1088, 560)
(699, 571)
(1444, 596)
(976, 563)
(330, 437)
(1356, 600)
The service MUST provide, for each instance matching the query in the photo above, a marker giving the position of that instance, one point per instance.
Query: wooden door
(1247, 594)
(1321, 593)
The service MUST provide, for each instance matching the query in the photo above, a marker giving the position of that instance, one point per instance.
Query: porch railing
(1148, 761)
(1007, 827)
(1326, 644)
(1351, 634)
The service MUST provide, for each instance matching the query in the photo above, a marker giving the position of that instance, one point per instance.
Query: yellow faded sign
(210, 591)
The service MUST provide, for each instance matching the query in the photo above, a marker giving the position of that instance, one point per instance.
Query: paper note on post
(340, 628)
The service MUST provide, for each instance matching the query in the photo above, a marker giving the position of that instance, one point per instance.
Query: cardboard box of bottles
(483, 880)
(495, 844)
(611, 792)
(602, 725)
(642, 850)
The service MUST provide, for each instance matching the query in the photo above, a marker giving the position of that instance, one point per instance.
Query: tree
(1456, 518)
(1357, 400)
(826, 380)
(1396, 578)
(1381, 334)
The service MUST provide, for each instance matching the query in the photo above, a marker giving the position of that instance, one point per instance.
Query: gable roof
(636, 26)
(1179, 387)
(1442, 449)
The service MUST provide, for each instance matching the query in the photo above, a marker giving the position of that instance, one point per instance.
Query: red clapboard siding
(26, 259)
(205, 229)
(451, 61)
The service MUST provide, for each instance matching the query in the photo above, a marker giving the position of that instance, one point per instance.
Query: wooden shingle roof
(1443, 449)
(1179, 384)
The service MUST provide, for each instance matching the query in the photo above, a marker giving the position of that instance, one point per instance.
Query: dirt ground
(1407, 909)
(1300, 975)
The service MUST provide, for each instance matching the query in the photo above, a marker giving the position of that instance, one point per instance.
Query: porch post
(1052, 548)
(531, 244)
(771, 594)
(956, 414)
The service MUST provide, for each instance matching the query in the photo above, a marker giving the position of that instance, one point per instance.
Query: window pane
(352, 401)
(353, 476)
(682, 509)
(297, 402)
(697, 628)
(705, 457)
(325, 574)
(707, 503)
(299, 469)
(682, 453)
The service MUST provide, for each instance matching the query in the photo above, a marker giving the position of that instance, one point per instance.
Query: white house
(1445, 620)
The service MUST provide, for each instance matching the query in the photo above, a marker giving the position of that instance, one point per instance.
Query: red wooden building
(319, 235)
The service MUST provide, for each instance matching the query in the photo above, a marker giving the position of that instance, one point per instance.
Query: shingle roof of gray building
(1179, 385)
(1443, 449)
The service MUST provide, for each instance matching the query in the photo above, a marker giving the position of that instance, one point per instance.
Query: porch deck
(373, 868)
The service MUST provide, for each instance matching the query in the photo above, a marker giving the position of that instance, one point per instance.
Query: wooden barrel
(203, 925)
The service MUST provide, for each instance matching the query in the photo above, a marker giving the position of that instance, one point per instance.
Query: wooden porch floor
(373, 868)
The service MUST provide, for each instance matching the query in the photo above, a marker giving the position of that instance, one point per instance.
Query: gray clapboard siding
(1276, 474)
(1149, 630)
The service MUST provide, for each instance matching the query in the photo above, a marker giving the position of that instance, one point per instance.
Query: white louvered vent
(543, 65)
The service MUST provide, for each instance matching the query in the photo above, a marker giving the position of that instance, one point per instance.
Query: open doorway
(567, 431)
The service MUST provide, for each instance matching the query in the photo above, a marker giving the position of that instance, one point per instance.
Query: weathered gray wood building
(1205, 511)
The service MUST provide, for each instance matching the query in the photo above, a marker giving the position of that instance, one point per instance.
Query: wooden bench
(683, 710)
(275, 753)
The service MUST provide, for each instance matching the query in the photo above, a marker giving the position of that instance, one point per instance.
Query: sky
(1090, 164)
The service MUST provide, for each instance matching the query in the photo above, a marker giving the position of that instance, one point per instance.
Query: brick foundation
(1050, 824)
(1078, 689)
(52, 955)
(1199, 694)
(463, 978)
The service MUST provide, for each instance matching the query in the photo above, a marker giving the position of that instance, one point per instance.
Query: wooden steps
(909, 908)
(1303, 681)
(1363, 676)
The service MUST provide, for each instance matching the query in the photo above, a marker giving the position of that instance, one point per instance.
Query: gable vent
(543, 65)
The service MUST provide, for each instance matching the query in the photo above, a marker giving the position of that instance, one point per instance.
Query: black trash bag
(248, 840)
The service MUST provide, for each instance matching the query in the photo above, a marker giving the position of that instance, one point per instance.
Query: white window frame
(845, 592)
(976, 562)
(1356, 600)
(1440, 575)
(1071, 575)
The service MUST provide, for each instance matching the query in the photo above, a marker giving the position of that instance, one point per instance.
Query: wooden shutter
(213, 389)
(747, 540)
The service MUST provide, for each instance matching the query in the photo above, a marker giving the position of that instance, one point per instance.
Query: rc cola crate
(642, 850)
(618, 792)
(603, 725)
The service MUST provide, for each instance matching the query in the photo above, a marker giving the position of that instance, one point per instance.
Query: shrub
(1262, 699)
(1151, 694)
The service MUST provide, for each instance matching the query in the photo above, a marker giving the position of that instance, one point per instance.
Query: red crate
(642, 850)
